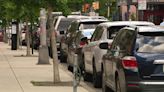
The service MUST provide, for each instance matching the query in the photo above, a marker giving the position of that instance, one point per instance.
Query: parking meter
(77, 73)
(14, 36)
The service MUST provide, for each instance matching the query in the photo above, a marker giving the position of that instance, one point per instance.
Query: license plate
(161, 62)
(158, 62)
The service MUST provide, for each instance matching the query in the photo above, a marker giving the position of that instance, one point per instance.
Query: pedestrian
(162, 23)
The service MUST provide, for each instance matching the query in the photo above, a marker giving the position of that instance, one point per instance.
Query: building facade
(154, 11)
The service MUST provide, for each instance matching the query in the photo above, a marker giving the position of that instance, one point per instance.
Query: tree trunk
(27, 38)
(5, 38)
(54, 49)
(43, 49)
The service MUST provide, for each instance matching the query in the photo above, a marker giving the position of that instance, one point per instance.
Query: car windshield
(150, 42)
(87, 26)
(88, 33)
(64, 24)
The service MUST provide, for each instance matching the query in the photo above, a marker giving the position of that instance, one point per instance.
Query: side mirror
(84, 39)
(104, 45)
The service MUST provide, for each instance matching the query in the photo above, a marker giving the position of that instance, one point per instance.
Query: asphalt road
(86, 85)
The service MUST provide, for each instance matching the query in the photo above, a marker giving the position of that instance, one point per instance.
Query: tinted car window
(124, 40)
(73, 27)
(97, 33)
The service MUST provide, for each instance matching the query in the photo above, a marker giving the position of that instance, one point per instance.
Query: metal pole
(74, 72)
(108, 10)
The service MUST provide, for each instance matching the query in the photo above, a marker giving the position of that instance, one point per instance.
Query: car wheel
(87, 76)
(96, 78)
(118, 88)
(50, 52)
(63, 57)
(70, 68)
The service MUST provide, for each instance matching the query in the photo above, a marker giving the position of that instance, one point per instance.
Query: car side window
(116, 41)
(112, 31)
(124, 41)
(97, 33)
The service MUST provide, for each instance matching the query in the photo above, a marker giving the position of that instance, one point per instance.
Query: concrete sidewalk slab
(17, 73)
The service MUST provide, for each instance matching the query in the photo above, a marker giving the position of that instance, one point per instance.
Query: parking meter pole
(74, 72)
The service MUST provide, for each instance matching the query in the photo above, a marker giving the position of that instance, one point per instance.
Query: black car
(135, 61)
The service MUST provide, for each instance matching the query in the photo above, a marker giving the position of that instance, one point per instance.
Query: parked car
(92, 54)
(61, 24)
(135, 61)
(76, 38)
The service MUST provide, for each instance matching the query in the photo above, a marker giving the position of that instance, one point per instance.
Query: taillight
(130, 63)
(82, 43)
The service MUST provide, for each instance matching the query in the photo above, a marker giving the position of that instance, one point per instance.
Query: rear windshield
(64, 24)
(112, 31)
(88, 25)
(150, 42)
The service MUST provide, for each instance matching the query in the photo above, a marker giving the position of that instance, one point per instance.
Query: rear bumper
(146, 86)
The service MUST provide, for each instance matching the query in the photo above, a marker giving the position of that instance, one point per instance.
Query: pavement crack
(12, 70)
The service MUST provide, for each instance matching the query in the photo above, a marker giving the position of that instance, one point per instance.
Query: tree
(6, 7)
(28, 11)
(50, 4)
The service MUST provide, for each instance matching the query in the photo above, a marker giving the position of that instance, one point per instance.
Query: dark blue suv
(135, 61)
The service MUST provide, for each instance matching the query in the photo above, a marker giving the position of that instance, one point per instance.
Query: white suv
(92, 54)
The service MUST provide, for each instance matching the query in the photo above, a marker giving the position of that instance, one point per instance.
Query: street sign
(142, 4)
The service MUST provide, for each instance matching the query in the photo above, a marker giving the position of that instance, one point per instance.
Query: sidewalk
(19, 73)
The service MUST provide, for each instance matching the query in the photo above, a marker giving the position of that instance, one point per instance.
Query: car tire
(96, 77)
(87, 76)
(118, 88)
(63, 57)
(70, 68)
(50, 52)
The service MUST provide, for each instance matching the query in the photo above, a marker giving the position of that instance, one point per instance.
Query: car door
(123, 47)
(88, 49)
(108, 60)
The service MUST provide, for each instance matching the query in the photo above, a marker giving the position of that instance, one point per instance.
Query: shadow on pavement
(49, 83)
(25, 56)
